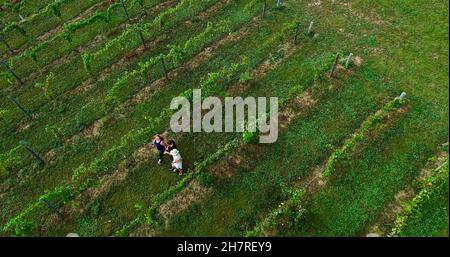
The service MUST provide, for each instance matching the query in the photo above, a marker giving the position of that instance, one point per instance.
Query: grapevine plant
(370, 123)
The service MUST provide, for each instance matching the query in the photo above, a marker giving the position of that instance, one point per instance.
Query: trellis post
(20, 107)
(32, 152)
(335, 63)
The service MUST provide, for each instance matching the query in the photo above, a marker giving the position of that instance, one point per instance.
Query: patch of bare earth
(192, 194)
(368, 16)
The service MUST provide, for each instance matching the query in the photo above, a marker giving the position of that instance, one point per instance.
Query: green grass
(403, 45)
(74, 155)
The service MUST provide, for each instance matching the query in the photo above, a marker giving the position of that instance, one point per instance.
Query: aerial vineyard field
(361, 117)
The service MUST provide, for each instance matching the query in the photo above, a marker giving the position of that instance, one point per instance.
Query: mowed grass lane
(90, 145)
(90, 148)
(353, 200)
(117, 206)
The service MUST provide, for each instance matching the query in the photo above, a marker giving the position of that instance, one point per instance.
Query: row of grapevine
(291, 209)
(186, 50)
(198, 42)
(129, 40)
(10, 161)
(369, 124)
(436, 183)
(27, 28)
(66, 34)
(20, 226)
(209, 86)
(85, 177)
(174, 58)
(211, 82)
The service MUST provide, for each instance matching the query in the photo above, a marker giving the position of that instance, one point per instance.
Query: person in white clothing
(177, 162)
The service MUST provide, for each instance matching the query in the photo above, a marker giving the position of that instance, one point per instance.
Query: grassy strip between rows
(149, 215)
(85, 177)
(129, 38)
(178, 53)
(49, 45)
(54, 13)
(344, 152)
(292, 209)
(118, 45)
(434, 185)
(23, 7)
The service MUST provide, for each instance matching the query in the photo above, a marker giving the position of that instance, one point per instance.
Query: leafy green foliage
(435, 184)
(370, 123)
(10, 161)
(291, 209)
(13, 26)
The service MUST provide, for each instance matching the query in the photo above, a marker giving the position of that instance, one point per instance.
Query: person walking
(158, 142)
(171, 145)
(177, 162)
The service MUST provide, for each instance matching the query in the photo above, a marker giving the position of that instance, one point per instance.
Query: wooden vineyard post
(164, 68)
(296, 33)
(264, 9)
(349, 60)
(52, 208)
(126, 11)
(310, 29)
(7, 45)
(141, 36)
(20, 107)
(279, 3)
(335, 63)
(32, 152)
(6, 65)
(402, 96)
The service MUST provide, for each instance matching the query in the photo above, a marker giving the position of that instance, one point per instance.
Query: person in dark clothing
(171, 145)
(160, 145)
